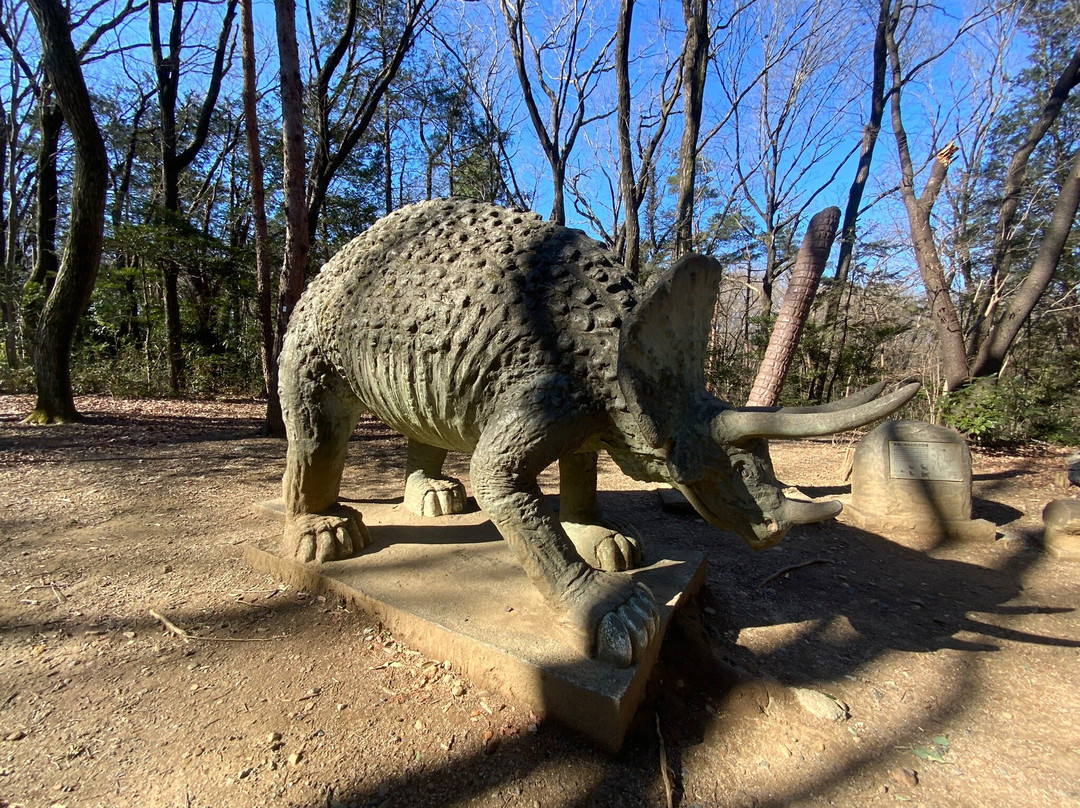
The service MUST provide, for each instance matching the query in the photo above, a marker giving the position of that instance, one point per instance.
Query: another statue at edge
(473, 328)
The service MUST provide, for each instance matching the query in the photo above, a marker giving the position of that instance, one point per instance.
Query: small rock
(1072, 467)
(273, 737)
(821, 706)
(905, 777)
(296, 757)
(17, 735)
(457, 690)
(244, 773)
(419, 725)
(446, 665)
(341, 706)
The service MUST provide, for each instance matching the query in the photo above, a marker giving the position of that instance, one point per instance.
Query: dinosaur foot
(434, 496)
(610, 616)
(335, 534)
(611, 545)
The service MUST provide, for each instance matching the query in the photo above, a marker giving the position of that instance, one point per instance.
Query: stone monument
(913, 480)
(478, 329)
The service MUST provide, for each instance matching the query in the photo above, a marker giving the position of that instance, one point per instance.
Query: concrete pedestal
(450, 588)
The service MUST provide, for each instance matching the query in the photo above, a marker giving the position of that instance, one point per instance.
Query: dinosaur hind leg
(320, 413)
(604, 541)
(428, 492)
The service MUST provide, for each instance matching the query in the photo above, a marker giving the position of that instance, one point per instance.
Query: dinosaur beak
(734, 425)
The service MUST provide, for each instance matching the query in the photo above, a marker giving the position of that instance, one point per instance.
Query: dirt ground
(958, 664)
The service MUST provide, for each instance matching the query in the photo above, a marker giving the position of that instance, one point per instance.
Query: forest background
(158, 225)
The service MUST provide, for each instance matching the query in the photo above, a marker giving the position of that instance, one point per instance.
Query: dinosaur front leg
(320, 413)
(605, 542)
(428, 492)
(608, 614)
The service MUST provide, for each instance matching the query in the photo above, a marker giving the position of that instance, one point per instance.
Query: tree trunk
(627, 187)
(826, 377)
(7, 279)
(295, 179)
(274, 423)
(950, 336)
(994, 349)
(74, 283)
(40, 282)
(795, 309)
(51, 120)
(694, 66)
(388, 165)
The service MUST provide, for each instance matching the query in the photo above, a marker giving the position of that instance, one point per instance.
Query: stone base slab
(450, 588)
(920, 533)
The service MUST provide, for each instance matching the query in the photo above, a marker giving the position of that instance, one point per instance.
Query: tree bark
(694, 66)
(326, 161)
(827, 377)
(627, 187)
(950, 336)
(11, 353)
(795, 309)
(274, 423)
(297, 241)
(993, 351)
(567, 99)
(51, 121)
(990, 328)
(74, 282)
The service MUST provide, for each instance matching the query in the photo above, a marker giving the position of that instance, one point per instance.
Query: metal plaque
(923, 460)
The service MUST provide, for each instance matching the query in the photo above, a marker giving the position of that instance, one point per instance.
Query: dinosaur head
(715, 454)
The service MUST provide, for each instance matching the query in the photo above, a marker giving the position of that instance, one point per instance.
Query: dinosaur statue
(474, 328)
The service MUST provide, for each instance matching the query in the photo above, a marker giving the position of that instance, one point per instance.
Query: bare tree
(349, 85)
(274, 423)
(997, 330)
(694, 72)
(355, 96)
(471, 43)
(175, 159)
(826, 376)
(788, 136)
(568, 43)
(74, 282)
(297, 233)
(21, 87)
(634, 183)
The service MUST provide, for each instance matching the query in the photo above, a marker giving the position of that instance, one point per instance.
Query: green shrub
(1012, 410)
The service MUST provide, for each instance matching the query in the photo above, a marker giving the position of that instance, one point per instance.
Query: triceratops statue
(473, 328)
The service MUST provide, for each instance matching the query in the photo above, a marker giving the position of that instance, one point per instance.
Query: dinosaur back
(441, 308)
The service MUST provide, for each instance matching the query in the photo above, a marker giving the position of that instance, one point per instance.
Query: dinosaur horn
(797, 512)
(734, 425)
(855, 399)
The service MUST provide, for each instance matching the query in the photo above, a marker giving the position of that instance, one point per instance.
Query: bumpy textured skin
(473, 328)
